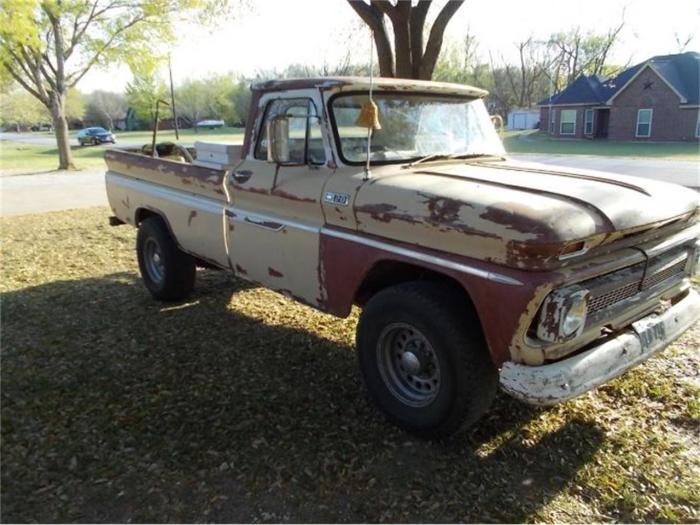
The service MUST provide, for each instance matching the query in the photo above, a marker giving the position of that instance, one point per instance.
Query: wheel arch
(144, 212)
(386, 273)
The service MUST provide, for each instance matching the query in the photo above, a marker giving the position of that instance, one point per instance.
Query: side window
(305, 140)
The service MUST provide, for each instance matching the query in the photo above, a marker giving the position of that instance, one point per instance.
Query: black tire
(466, 380)
(167, 272)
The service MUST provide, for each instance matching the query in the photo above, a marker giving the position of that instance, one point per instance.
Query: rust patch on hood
(274, 273)
(519, 217)
(386, 213)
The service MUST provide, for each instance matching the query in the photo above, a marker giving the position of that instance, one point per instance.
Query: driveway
(53, 191)
(686, 173)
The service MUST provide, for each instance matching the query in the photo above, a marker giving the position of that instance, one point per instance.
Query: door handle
(241, 176)
(270, 225)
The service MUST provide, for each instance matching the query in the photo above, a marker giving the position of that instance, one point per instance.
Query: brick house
(657, 100)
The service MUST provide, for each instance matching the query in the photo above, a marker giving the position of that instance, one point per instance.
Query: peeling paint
(289, 196)
(274, 273)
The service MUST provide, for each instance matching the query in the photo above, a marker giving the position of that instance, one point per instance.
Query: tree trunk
(60, 126)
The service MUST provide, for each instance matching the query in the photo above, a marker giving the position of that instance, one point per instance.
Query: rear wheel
(167, 271)
(423, 359)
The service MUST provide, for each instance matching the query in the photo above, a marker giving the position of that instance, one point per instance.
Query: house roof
(681, 72)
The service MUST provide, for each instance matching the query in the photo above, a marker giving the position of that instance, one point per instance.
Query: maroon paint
(274, 273)
(346, 263)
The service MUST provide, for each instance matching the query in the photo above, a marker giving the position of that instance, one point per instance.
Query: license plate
(650, 332)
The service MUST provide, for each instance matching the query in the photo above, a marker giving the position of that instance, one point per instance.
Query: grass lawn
(242, 406)
(535, 142)
(28, 158)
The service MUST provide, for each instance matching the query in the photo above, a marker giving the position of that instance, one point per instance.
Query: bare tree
(410, 56)
(523, 78)
(106, 107)
(576, 53)
(682, 42)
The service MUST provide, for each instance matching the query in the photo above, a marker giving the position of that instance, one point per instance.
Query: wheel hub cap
(408, 364)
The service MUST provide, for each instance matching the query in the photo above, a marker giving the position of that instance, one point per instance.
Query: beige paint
(484, 211)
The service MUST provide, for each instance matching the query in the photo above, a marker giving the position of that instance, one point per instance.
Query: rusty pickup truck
(471, 269)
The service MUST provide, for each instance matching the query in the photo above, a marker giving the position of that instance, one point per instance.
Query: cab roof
(362, 83)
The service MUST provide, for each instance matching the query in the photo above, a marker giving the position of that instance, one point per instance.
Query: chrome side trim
(413, 254)
(259, 219)
(192, 201)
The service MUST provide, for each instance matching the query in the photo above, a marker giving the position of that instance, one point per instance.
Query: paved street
(52, 191)
(686, 173)
(46, 139)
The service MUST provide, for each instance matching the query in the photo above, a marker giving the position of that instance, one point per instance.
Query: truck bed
(191, 197)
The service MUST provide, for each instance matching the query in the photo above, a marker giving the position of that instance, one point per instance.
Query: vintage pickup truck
(471, 269)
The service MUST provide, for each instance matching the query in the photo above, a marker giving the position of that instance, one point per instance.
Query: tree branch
(73, 79)
(18, 78)
(416, 24)
(399, 15)
(375, 20)
(437, 32)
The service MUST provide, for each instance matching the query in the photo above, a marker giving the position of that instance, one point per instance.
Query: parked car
(95, 136)
(471, 268)
(210, 124)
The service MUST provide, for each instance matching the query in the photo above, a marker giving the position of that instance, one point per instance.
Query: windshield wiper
(432, 156)
(474, 156)
(450, 156)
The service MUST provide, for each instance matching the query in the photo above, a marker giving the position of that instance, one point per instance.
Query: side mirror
(278, 140)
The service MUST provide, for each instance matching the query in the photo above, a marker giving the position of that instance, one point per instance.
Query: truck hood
(515, 213)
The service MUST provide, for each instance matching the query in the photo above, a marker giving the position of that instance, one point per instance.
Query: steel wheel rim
(153, 259)
(408, 364)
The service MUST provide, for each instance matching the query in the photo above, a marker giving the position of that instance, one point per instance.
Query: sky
(276, 33)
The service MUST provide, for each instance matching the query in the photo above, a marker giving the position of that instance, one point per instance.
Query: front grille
(609, 290)
(660, 276)
(613, 297)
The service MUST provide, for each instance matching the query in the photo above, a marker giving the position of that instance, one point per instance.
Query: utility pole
(172, 100)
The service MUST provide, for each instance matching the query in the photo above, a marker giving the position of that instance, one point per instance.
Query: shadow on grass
(117, 408)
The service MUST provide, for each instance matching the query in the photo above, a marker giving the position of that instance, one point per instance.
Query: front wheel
(424, 360)
(167, 271)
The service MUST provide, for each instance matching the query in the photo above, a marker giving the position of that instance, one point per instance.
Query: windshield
(414, 126)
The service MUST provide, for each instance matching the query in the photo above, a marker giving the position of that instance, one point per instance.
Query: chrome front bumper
(553, 383)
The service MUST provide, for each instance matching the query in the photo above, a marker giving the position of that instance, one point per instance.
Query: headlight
(563, 314)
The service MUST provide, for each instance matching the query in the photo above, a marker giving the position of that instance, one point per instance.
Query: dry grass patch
(240, 405)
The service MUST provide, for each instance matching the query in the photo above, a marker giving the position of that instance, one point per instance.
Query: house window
(644, 122)
(588, 122)
(567, 122)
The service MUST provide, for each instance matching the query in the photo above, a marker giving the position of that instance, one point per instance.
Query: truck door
(275, 214)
